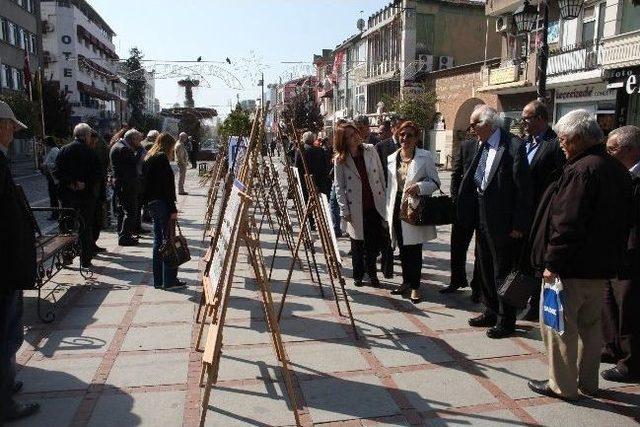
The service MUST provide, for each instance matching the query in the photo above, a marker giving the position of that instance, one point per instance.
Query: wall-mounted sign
(631, 85)
(503, 75)
(586, 92)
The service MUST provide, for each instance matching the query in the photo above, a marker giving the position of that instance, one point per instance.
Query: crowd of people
(139, 172)
(562, 203)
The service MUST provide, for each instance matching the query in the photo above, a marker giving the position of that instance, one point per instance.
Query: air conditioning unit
(504, 24)
(425, 63)
(445, 62)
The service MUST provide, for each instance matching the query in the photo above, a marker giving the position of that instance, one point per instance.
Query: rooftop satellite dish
(360, 24)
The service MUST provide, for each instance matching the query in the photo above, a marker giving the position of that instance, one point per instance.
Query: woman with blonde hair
(360, 190)
(160, 197)
(411, 172)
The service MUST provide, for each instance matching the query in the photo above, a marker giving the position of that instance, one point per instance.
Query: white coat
(349, 189)
(422, 171)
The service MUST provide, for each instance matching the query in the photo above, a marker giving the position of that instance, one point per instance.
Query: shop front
(595, 98)
(626, 84)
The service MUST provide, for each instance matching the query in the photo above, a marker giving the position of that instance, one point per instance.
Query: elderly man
(495, 199)
(579, 235)
(78, 173)
(18, 267)
(152, 135)
(318, 164)
(621, 324)
(101, 148)
(124, 162)
(545, 162)
(182, 159)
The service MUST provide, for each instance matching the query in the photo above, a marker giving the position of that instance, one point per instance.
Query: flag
(27, 73)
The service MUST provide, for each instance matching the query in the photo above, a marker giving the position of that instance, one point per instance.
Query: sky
(256, 35)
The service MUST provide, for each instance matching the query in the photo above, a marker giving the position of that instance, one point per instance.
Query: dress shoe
(99, 250)
(374, 282)
(542, 387)
(400, 290)
(614, 374)
(450, 289)
(388, 275)
(86, 264)
(183, 193)
(415, 296)
(482, 321)
(176, 285)
(606, 357)
(17, 386)
(128, 241)
(500, 331)
(358, 283)
(20, 410)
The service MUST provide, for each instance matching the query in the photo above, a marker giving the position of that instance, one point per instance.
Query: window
(29, 6)
(21, 34)
(4, 29)
(593, 23)
(33, 44)
(12, 33)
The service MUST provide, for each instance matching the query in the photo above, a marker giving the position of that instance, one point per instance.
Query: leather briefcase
(175, 251)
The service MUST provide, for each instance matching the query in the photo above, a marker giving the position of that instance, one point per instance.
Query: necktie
(478, 177)
(533, 143)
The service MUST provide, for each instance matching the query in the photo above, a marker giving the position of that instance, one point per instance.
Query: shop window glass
(424, 34)
(630, 16)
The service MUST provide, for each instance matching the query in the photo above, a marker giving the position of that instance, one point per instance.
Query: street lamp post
(526, 18)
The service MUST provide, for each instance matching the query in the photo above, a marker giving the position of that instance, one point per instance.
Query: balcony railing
(622, 50)
(574, 58)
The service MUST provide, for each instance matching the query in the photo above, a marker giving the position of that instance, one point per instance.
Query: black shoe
(388, 275)
(358, 283)
(606, 357)
(176, 285)
(400, 289)
(143, 231)
(482, 321)
(475, 297)
(183, 193)
(21, 410)
(374, 282)
(450, 289)
(500, 331)
(86, 264)
(99, 250)
(616, 376)
(542, 387)
(128, 241)
(17, 386)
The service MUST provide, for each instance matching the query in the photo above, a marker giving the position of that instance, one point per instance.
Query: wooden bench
(54, 251)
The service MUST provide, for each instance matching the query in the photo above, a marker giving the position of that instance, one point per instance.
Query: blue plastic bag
(552, 306)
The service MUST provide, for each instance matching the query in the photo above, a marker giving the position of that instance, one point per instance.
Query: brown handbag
(175, 251)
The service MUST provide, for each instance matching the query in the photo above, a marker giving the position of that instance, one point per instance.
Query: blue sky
(256, 35)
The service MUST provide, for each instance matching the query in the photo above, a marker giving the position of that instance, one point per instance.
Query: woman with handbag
(160, 198)
(411, 173)
(359, 184)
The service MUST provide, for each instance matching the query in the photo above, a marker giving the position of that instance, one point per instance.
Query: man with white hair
(318, 164)
(126, 182)
(182, 159)
(152, 135)
(621, 326)
(18, 267)
(579, 235)
(495, 198)
(78, 173)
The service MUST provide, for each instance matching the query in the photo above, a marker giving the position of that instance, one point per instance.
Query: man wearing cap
(78, 171)
(18, 267)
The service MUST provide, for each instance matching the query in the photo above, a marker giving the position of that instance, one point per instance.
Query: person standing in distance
(182, 159)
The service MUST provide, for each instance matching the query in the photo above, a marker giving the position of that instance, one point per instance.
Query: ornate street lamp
(526, 17)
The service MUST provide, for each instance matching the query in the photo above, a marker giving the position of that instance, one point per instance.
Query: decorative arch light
(570, 9)
(526, 16)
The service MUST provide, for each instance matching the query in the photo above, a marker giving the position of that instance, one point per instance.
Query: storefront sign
(631, 85)
(587, 92)
(503, 75)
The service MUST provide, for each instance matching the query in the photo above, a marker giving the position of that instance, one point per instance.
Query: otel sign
(631, 84)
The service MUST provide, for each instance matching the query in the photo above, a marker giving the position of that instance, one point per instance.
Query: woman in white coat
(360, 190)
(411, 172)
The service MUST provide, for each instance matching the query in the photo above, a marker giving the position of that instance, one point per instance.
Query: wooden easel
(327, 239)
(240, 227)
(212, 195)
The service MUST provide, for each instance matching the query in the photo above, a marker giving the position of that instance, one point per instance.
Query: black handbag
(175, 251)
(428, 210)
(519, 285)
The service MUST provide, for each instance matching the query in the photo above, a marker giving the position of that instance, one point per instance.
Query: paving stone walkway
(120, 352)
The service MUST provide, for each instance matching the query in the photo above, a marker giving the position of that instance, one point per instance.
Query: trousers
(365, 252)
(574, 356)
(410, 255)
(461, 236)
(182, 175)
(84, 205)
(621, 324)
(11, 338)
(128, 212)
(163, 273)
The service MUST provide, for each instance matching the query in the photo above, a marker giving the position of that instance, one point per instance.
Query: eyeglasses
(528, 119)
(473, 125)
(612, 149)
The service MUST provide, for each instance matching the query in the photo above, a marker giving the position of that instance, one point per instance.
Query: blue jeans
(335, 210)
(163, 273)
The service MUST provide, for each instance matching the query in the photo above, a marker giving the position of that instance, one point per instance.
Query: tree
(136, 83)
(418, 106)
(304, 112)
(150, 122)
(237, 123)
(25, 111)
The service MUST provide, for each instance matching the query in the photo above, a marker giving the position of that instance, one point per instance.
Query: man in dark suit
(18, 267)
(318, 164)
(124, 163)
(460, 234)
(495, 197)
(546, 159)
(78, 173)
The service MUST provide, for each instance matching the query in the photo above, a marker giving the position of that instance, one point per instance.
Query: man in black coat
(546, 160)
(620, 320)
(580, 236)
(318, 164)
(495, 198)
(78, 173)
(18, 267)
(124, 163)
(461, 234)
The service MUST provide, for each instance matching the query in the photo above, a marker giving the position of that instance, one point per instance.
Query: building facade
(20, 37)
(79, 54)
